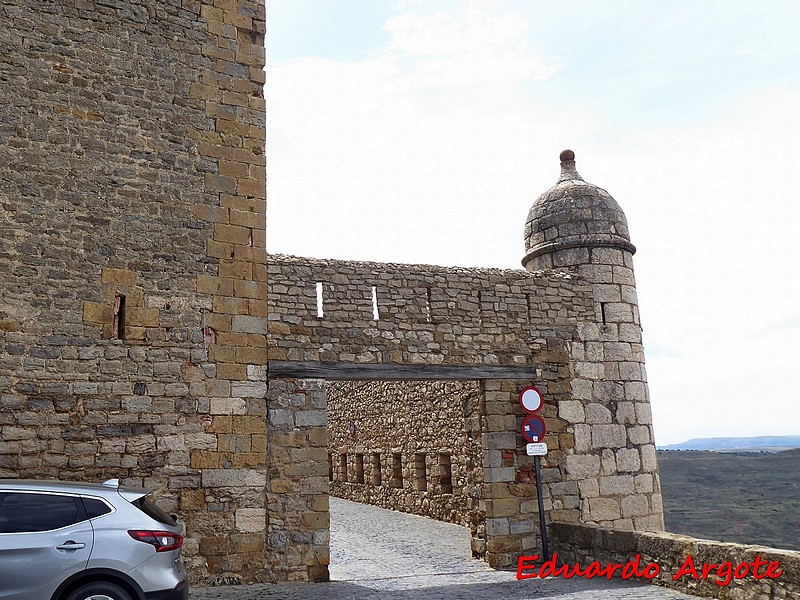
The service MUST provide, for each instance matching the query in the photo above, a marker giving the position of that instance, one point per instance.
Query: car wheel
(99, 590)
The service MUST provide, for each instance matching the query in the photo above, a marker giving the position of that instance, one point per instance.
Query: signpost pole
(545, 551)
(533, 430)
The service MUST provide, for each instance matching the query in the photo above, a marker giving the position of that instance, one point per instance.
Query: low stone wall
(679, 554)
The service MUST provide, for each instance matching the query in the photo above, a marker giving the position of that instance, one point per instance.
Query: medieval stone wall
(132, 152)
(410, 446)
(136, 320)
(579, 331)
(420, 314)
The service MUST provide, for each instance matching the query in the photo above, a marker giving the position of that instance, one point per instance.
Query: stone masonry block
(118, 276)
(249, 389)
(583, 438)
(94, 312)
(572, 411)
(616, 485)
(597, 414)
(247, 324)
(603, 509)
(498, 526)
(500, 441)
(251, 519)
(311, 418)
(649, 458)
(245, 478)
(582, 466)
(643, 413)
(495, 475)
(628, 460)
(635, 506)
(609, 436)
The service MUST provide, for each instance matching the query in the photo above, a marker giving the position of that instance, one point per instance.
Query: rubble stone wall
(410, 446)
(132, 165)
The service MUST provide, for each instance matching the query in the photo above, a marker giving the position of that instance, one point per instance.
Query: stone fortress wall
(146, 335)
(600, 467)
(132, 233)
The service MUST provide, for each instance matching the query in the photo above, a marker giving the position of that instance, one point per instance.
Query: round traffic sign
(530, 399)
(533, 428)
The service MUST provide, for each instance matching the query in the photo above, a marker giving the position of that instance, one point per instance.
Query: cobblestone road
(381, 554)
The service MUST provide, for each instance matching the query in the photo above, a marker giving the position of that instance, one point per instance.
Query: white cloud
(480, 46)
(372, 156)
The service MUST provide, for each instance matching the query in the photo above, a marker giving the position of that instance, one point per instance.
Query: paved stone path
(382, 554)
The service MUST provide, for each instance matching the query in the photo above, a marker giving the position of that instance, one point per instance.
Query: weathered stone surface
(115, 115)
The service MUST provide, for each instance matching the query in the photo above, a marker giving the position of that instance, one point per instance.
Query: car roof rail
(112, 483)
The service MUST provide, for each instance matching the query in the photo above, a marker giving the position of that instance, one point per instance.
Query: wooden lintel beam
(283, 369)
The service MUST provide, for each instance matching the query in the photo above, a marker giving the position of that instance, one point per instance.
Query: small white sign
(539, 449)
(531, 399)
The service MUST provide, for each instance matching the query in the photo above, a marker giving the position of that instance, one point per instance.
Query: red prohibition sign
(533, 428)
(531, 399)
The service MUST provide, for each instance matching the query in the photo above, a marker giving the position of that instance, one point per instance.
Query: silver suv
(82, 541)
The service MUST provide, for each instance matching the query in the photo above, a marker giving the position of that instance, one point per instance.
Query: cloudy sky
(421, 131)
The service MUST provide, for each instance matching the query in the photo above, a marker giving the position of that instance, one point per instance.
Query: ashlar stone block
(609, 436)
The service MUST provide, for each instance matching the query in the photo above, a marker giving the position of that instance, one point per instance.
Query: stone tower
(578, 226)
(133, 262)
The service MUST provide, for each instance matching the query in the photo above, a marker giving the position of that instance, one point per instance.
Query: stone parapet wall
(425, 314)
(584, 544)
(432, 428)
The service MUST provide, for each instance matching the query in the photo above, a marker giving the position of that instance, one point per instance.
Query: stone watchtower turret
(578, 226)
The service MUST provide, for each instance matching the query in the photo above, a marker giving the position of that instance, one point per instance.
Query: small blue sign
(533, 428)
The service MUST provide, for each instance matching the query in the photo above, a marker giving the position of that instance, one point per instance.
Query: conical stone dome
(574, 214)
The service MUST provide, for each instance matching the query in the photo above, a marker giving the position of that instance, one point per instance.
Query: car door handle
(70, 545)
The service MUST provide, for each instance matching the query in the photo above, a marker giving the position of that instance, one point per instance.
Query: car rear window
(153, 511)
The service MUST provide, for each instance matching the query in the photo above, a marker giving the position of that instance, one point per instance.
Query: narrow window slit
(530, 308)
(445, 473)
(397, 470)
(421, 474)
(480, 309)
(343, 468)
(375, 315)
(118, 329)
(603, 312)
(428, 313)
(320, 311)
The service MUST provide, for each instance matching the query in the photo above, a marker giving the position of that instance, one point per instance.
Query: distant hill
(745, 498)
(769, 443)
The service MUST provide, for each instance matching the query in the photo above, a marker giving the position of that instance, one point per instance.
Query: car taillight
(163, 541)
